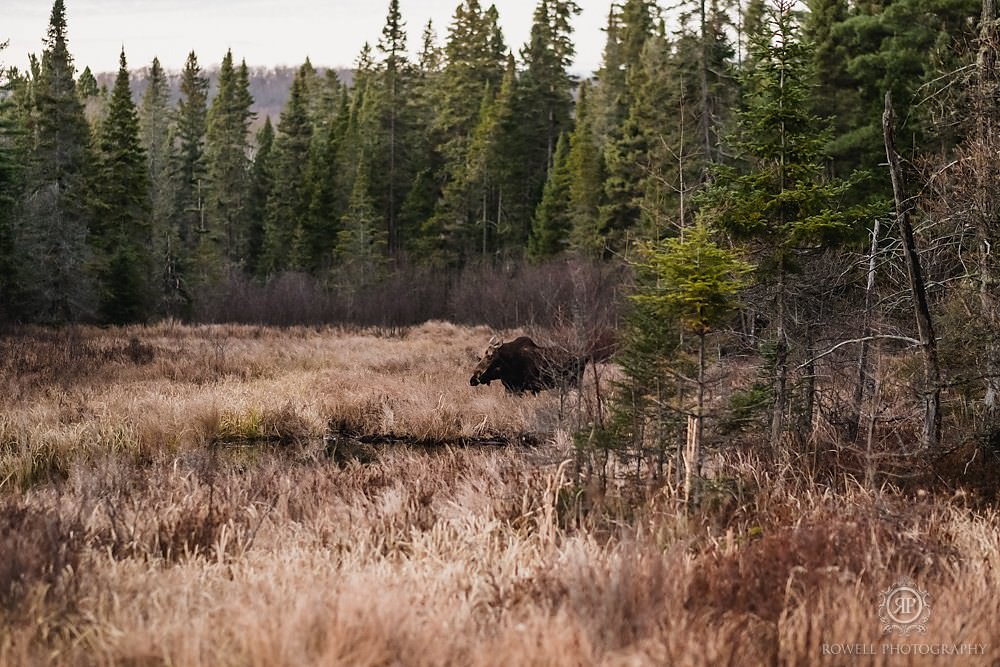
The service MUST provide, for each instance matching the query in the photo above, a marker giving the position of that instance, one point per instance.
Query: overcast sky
(265, 33)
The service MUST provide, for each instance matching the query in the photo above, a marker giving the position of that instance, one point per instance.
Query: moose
(522, 365)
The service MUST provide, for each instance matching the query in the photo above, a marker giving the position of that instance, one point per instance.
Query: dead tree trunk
(925, 328)
(863, 380)
(987, 101)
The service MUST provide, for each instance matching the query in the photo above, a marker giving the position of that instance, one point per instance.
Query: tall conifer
(53, 238)
(288, 201)
(123, 232)
(188, 173)
(227, 166)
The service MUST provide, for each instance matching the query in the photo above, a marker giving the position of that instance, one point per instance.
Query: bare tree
(925, 327)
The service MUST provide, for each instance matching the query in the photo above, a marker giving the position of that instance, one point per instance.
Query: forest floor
(176, 495)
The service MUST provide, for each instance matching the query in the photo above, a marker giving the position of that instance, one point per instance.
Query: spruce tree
(546, 86)
(52, 239)
(288, 202)
(360, 249)
(261, 182)
(783, 204)
(87, 85)
(551, 227)
(471, 215)
(156, 132)
(914, 49)
(227, 168)
(695, 285)
(620, 211)
(423, 189)
(317, 232)
(393, 89)
(11, 183)
(188, 183)
(471, 61)
(122, 231)
(543, 111)
(585, 164)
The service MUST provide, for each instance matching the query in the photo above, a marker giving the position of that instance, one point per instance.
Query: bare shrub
(502, 294)
(38, 548)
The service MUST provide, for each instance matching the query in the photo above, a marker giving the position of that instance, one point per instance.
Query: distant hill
(269, 86)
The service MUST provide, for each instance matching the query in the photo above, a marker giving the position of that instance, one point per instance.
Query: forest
(236, 348)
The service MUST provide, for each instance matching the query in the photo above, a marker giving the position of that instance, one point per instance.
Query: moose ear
(495, 342)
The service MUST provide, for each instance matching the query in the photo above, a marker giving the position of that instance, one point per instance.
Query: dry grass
(168, 498)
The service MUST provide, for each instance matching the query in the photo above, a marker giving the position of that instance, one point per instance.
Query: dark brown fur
(522, 366)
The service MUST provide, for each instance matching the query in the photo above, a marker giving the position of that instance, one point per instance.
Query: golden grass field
(178, 495)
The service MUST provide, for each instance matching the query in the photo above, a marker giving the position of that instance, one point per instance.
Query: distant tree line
(119, 212)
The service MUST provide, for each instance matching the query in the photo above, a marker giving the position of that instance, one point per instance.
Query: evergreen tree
(696, 283)
(360, 249)
(11, 184)
(543, 108)
(189, 184)
(586, 177)
(552, 223)
(318, 232)
(547, 85)
(393, 89)
(609, 92)
(471, 61)
(87, 85)
(620, 210)
(423, 188)
(912, 48)
(261, 182)
(227, 167)
(783, 204)
(122, 230)
(471, 214)
(157, 137)
(52, 239)
(288, 202)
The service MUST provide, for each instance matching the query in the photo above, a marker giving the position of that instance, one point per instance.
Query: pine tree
(189, 184)
(585, 166)
(227, 167)
(552, 223)
(360, 249)
(122, 231)
(11, 183)
(288, 202)
(53, 232)
(261, 182)
(423, 189)
(620, 211)
(394, 84)
(157, 137)
(783, 203)
(696, 283)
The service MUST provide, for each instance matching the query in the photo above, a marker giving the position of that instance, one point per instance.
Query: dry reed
(168, 498)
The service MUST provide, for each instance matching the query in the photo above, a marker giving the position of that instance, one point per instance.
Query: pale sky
(265, 33)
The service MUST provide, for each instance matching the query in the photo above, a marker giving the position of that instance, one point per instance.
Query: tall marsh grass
(179, 506)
